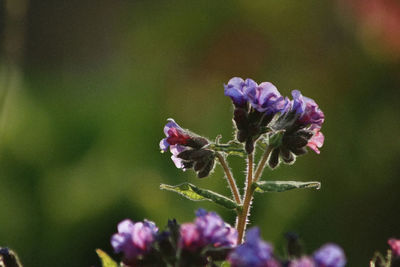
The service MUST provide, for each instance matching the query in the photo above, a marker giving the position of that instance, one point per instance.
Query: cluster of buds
(189, 151)
(205, 242)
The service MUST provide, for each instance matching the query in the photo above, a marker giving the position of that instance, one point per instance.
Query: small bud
(273, 160)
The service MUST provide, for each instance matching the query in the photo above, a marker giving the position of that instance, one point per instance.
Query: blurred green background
(87, 86)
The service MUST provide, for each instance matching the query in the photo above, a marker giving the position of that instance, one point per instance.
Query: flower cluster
(301, 124)
(207, 230)
(257, 253)
(300, 119)
(134, 240)
(254, 252)
(255, 106)
(188, 150)
(189, 244)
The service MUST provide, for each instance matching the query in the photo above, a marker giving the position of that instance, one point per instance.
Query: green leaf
(106, 260)
(281, 186)
(225, 264)
(195, 193)
(231, 148)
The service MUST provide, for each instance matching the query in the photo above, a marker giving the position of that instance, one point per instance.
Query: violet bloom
(265, 98)
(208, 229)
(235, 89)
(134, 240)
(330, 255)
(302, 262)
(307, 108)
(395, 246)
(254, 252)
(255, 106)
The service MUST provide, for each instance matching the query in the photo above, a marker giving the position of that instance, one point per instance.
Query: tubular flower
(395, 246)
(208, 229)
(254, 252)
(255, 106)
(300, 123)
(134, 240)
(188, 150)
(330, 255)
(302, 262)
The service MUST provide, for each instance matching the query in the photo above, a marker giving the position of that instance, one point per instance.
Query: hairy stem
(242, 217)
(229, 177)
(261, 164)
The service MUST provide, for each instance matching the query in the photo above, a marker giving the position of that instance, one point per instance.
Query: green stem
(244, 214)
(230, 179)
(262, 163)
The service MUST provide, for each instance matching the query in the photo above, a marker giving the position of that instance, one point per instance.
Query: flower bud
(188, 151)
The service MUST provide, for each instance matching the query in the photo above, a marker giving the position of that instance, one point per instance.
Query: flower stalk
(242, 217)
(229, 178)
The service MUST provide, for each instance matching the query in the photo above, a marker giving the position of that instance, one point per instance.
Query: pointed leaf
(106, 260)
(225, 264)
(195, 193)
(281, 186)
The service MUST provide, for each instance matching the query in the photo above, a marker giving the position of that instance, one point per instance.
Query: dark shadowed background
(86, 88)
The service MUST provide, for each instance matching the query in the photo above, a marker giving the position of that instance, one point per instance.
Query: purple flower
(308, 110)
(254, 252)
(134, 240)
(265, 98)
(395, 246)
(235, 90)
(330, 255)
(175, 135)
(302, 262)
(208, 229)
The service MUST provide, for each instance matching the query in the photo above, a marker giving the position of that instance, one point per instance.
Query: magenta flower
(254, 252)
(395, 246)
(208, 229)
(175, 135)
(134, 240)
(330, 255)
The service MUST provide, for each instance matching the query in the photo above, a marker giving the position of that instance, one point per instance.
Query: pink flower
(316, 141)
(395, 246)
